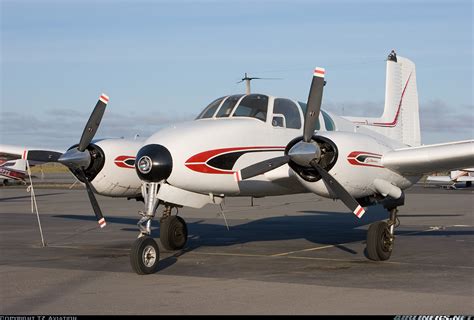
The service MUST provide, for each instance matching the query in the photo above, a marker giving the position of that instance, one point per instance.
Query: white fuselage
(207, 152)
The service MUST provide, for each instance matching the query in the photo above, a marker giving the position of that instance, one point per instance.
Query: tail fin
(400, 119)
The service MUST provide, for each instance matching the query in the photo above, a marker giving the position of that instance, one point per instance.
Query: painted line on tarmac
(331, 259)
(309, 249)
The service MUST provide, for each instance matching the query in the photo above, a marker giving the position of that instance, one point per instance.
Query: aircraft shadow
(29, 196)
(319, 227)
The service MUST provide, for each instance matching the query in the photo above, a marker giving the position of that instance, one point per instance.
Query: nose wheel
(145, 255)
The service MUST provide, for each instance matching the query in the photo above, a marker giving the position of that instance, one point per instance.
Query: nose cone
(154, 163)
(303, 153)
(74, 158)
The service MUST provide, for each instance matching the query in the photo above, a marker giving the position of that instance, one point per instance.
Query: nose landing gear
(145, 253)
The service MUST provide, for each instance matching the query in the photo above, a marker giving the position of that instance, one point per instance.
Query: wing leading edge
(430, 158)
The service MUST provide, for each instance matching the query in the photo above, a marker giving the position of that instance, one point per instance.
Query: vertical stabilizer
(400, 120)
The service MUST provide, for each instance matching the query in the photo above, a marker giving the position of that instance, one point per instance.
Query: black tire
(145, 255)
(379, 246)
(173, 233)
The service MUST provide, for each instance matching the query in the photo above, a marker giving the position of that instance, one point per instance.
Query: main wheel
(379, 241)
(173, 233)
(145, 255)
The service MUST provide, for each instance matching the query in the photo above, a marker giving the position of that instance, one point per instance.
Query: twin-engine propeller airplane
(260, 145)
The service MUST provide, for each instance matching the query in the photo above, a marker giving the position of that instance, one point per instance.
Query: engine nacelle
(112, 169)
(354, 161)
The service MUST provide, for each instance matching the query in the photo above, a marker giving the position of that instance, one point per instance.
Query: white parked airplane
(261, 145)
(13, 170)
(455, 177)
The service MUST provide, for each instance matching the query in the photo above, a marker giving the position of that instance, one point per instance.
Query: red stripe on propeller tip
(102, 223)
(319, 72)
(359, 212)
(104, 98)
(237, 176)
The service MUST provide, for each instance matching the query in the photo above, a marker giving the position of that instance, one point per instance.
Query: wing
(431, 158)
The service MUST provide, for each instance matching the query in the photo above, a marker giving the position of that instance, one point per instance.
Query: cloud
(436, 116)
(60, 128)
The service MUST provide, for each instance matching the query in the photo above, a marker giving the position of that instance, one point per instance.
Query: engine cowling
(112, 168)
(353, 159)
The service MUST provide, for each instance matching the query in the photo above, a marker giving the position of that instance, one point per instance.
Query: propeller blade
(93, 123)
(261, 167)
(42, 155)
(93, 200)
(339, 190)
(314, 104)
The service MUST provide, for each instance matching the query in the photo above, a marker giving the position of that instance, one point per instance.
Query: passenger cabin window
(253, 106)
(228, 105)
(303, 108)
(286, 114)
(209, 111)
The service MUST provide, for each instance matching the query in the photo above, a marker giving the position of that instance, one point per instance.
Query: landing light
(145, 164)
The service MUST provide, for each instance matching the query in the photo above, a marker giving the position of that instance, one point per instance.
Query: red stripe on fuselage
(352, 159)
(198, 162)
(207, 155)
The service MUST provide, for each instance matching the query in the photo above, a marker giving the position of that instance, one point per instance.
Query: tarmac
(299, 254)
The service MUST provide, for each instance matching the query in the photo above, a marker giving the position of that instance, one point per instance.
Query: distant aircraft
(261, 145)
(13, 170)
(455, 177)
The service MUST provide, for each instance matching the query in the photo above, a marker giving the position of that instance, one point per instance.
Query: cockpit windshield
(253, 106)
(209, 111)
(228, 105)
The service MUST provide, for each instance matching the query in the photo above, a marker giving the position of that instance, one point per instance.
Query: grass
(49, 168)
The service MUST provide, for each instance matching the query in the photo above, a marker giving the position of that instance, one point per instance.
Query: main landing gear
(381, 236)
(145, 253)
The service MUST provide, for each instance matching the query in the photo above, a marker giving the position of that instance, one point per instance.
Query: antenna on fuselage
(247, 80)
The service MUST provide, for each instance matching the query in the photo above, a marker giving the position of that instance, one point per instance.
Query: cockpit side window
(209, 111)
(253, 106)
(228, 105)
(304, 107)
(289, 110)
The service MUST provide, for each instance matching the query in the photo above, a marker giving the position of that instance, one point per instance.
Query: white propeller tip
(319, 72)
(104, 98)
(237, 176)
(102, 223)
(359, 212)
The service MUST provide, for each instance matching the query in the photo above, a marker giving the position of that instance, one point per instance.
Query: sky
(162, 62)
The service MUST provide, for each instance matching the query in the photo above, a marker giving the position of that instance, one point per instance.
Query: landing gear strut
(145, 253)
